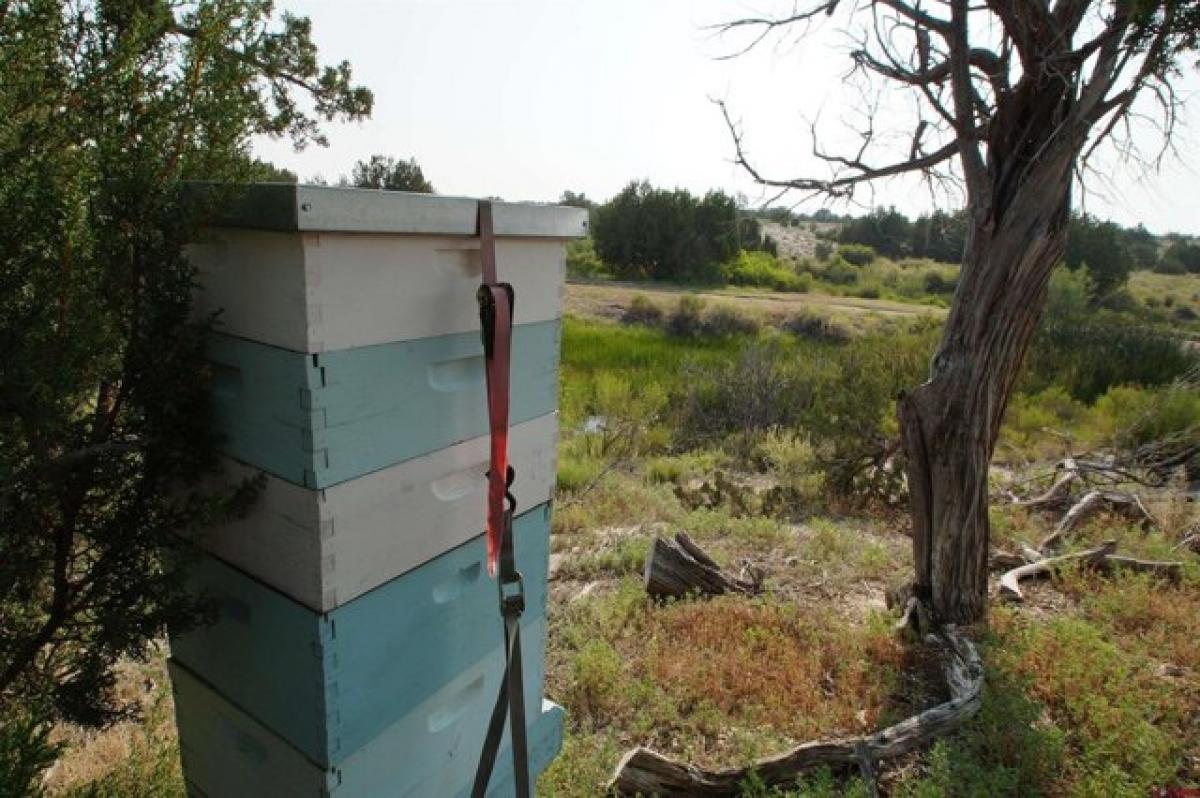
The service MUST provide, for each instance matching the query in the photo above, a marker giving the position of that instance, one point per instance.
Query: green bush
(1089, 357)
(762, 269)
(934, 283)
(870, 291)
(837, 272)
(582, 260)
(1133, 416)
(857, 254)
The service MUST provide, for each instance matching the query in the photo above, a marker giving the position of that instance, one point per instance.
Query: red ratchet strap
(495, 319)
(495, 316)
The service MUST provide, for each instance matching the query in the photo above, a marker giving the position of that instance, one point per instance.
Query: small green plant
(596, 673)
(687, 320)
(642, 311)
(726, 320)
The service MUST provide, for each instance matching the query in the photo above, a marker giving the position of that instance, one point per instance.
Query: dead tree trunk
(949, 425)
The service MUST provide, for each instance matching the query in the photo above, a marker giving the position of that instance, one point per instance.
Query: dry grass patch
(724, 680)
(760, 662)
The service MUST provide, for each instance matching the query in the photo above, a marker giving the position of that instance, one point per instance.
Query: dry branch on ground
(1101, 558)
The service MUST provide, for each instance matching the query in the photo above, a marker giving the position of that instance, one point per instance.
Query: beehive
(358, 647)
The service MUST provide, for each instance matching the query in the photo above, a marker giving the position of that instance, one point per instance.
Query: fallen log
(678, 568)
(643, 771)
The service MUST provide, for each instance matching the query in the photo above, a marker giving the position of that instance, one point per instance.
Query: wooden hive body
(358, 644)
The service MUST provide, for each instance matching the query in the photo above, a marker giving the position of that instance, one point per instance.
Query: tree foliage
(667, 234)
(390, 174)
(1181, 257)
(104, 411)
(1101, 248)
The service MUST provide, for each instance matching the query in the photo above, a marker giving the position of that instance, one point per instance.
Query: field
(752, 421)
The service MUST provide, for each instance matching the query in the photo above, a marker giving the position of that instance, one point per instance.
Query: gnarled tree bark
(949, 425)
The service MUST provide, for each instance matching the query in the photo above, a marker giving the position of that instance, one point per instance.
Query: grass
(1092, 689)
(1092, 685)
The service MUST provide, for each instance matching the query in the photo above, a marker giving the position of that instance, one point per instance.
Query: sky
(523, 99)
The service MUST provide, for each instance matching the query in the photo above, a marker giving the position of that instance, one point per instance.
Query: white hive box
(312, 268)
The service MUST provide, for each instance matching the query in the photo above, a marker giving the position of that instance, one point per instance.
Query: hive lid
(293, 207)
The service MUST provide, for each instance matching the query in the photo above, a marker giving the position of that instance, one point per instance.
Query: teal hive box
(317, 420)
(329, 683)
(227, 753)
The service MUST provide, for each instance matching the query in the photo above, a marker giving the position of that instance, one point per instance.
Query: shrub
(761, 269)
(816, 328)
(1089, 357)
(643, 311)
(823, 250)
(934, 283)
(724, 320)
(687, 321)
(757, 390)
(857, 254)
(839, 272)
(793, 460)
(1133, 416)
(582, 260)
(596, 674)
(1184, 314)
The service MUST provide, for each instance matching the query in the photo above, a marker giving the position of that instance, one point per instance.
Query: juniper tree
(389, 174)
(106, 107)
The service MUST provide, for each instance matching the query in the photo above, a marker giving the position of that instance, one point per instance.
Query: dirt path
(609, 300)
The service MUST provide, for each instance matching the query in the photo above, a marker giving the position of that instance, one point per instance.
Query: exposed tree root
(1100, 558)
(677, 568)
(646, 772)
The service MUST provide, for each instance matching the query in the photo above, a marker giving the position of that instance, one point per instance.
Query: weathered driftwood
(1100, 558)
(1128, 504)
(1010, 583)
(1057, 494)
(1168, 569)
(677, 568)
(646, 772)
